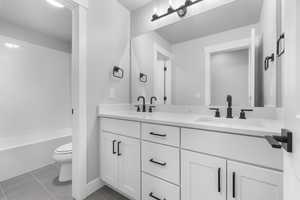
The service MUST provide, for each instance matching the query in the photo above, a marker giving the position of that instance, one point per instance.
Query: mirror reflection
(202, 59)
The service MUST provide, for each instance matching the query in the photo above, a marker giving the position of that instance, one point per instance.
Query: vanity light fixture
(11, 45)
(55, 3)
(181, 11)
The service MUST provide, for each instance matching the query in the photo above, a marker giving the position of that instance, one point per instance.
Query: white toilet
(63, 155)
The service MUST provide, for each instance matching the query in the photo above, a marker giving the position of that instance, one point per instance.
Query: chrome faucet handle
(217, 113)
(243, 113)
(151, 108)
(138, 108)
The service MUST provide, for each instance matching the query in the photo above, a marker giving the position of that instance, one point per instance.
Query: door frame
(158, 48)
(249, 44)
(79, 96)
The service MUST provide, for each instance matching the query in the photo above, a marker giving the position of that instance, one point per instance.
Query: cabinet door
(202, 177)
(108, 159)
(129, 163)
(247, 182)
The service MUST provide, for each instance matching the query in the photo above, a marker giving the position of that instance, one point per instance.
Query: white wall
(108, 45)
(34, 89)
(25, 34)
(143, 61)
(268, 26)
(230, 76)
(188, 65)
(291, 97)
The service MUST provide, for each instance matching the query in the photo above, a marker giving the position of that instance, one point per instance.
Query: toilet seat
(64, 149)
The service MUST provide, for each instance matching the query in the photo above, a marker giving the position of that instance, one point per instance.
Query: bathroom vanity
(185, 156)
(200, 61)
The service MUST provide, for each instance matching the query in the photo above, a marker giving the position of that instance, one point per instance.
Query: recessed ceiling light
(55, 3)
(11, 45)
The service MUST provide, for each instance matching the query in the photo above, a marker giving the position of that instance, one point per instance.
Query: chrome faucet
(144, 102)
(151, 103)
(229, 106)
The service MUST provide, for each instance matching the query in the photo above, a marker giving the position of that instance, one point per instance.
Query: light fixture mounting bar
(170, 11)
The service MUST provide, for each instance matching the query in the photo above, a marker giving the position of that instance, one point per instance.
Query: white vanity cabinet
(202, 176)
(246, 182)
(120, 158)
(211, 178)
(147, 161)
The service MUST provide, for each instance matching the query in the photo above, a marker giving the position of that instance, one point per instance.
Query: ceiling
(134, 4)
(236, 14)
(39, 16)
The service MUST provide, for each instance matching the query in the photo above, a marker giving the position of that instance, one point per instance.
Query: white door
(246, 182)
(159, 81)
(202, 177)
(291, 96)
(129, 166)
(108, 159)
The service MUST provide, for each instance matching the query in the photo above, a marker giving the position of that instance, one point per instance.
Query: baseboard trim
(92, 187)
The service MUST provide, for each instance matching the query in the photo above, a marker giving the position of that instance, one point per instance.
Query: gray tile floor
(41, 184)
(106, 193)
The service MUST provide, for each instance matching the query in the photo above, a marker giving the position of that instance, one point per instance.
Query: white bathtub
(22, 154)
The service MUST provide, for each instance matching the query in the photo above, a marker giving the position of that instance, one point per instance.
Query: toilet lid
(67, 148)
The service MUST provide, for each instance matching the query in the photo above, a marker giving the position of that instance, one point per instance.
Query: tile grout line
(43, 186)
(2, 191)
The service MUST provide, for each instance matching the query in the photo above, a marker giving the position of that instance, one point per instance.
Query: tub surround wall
(35, 89)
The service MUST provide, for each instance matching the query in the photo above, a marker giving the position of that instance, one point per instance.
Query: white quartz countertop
(251, 127)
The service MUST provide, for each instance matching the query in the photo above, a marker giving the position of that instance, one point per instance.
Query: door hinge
(165, 98)
(72, 111)
(165, 68)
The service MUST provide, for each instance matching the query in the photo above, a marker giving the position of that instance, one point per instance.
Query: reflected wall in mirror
(201, 59)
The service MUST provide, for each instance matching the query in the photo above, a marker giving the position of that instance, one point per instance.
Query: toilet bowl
(63, 156)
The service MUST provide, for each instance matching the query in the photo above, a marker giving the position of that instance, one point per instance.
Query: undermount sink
(230, 122)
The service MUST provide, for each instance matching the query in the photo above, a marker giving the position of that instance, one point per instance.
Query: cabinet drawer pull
(233, 185)
(154, 197)
(156, 134)
(158, 163)
(119, 154)
(113, 147)
(219, 180)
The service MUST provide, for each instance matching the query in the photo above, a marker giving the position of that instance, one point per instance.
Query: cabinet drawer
(154, 187)
(161, 161)
(161, 134)
(122, 127)
(236, 147)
